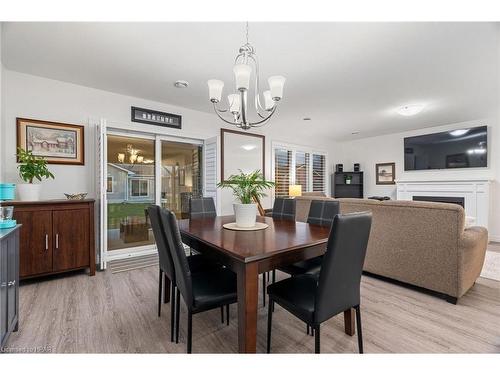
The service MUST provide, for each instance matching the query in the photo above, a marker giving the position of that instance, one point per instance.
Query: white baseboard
(494, 238)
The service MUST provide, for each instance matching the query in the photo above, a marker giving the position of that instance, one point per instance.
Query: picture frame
(56, 142)
(385, 173)
(152, 117)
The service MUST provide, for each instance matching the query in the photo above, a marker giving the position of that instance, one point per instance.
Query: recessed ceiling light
(459, 132)
(180, 84)
(355, 132)
(410, 110)
(306, 119)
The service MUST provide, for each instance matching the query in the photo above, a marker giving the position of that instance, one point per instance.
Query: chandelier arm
(255, 124)
(217, 111)
(257, 104)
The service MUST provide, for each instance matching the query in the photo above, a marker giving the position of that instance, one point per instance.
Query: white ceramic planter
(246, 214)
(28, 192)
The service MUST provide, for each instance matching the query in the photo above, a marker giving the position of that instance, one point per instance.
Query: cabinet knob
(46, 242)
(57, 241)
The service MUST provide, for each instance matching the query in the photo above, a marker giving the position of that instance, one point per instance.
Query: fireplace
(456, 200)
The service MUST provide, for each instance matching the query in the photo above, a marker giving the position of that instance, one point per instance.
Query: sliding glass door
(130, 189)
(180, 175)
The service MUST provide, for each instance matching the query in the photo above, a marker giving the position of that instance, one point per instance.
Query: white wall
(40, 98)
(389, 148)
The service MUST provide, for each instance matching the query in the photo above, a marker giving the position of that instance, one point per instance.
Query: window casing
(139, 188)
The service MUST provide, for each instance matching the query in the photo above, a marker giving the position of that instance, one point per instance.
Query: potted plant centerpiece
(246, 188)
(31, 168)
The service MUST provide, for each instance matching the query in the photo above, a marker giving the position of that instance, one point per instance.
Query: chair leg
(190, 332)
(227, 314)
(172, 311)
(360, 333)
(269, 324)
(264, 289)
(316, 340)
(222, 314)
(160, 284)
(177, 313)
(274, 276)
(166, 288)
(307, 325)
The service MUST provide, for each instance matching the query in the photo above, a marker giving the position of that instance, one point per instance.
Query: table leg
(248, 288)
(349, 327)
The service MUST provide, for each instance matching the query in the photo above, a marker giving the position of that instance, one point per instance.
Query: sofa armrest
(471, 252)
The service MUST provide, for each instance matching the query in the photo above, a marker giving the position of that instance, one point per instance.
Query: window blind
(318, 173)
(282, 166)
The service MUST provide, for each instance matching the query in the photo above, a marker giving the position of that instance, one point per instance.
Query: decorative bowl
(76, 197)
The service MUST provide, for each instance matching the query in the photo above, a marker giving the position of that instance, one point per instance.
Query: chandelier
(237, 110)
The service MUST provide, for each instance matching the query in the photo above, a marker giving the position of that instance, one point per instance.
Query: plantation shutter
(210, 170)
(302, 170)
(282, 169)
(318, 173)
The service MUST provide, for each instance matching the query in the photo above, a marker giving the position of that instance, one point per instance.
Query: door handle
(57, 240)
(11, 283)
(46, 242)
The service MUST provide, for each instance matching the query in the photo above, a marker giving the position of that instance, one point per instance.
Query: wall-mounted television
(459, 148)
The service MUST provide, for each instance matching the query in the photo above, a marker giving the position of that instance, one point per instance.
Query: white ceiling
(345, 76)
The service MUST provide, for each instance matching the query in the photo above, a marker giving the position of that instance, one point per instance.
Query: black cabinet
(9, 282)
(347, 184)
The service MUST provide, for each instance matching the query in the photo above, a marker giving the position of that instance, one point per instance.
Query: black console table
(9, 282)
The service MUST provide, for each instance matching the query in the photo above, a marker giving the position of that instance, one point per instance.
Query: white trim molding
(476, 194)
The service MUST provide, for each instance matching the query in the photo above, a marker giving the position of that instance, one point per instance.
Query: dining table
(253, 252)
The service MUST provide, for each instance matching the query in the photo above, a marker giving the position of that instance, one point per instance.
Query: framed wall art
(57, 142)
(385, 173)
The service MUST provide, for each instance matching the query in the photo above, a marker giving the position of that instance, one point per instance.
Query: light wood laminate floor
(116, 313)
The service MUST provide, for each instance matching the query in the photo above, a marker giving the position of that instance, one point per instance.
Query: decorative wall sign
(148, 116)
(58, 143)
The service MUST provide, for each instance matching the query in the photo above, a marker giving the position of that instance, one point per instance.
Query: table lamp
(295, 190)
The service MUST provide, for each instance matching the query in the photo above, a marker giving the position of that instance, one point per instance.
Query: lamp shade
(215, 90)
(268, 100)
(295, 190)
(234, 103)
(121, 157)
(242, 75)
(276, 84)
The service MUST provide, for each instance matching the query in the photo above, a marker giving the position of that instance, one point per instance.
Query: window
(139, 188)
(282, 165)
(109, 186)
(295, 165)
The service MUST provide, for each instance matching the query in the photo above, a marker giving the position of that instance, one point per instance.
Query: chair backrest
(202, 207)
(340, 275)
(166, 262)
(284, 208)
(322, 212)
(182, 271)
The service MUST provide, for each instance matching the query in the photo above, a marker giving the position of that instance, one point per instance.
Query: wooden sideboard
(56, 236)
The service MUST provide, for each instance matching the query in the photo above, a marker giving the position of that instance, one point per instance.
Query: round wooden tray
(258, 226)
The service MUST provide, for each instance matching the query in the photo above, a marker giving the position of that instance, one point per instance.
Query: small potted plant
(246, 188)
(31, 168)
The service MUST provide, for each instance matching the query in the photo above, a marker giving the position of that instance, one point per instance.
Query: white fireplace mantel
(476, 194)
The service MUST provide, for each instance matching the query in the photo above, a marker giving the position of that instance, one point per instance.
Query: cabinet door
(12, 280)
(35, 242)
(3, 290)
(71, 239)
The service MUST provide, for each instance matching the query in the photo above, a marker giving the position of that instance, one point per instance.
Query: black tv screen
(460, 148)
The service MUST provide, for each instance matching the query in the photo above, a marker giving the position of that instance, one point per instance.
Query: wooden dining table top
(249, 246)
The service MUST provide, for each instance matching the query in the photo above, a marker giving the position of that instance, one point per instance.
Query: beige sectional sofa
(420, 243)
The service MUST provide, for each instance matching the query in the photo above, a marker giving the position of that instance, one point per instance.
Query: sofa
(424, 244)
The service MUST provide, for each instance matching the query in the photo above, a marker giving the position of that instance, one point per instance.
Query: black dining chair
(202, 207)
(197, 263)
(283, 209)
(315, 298)
(201, 291)
(321, 212)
